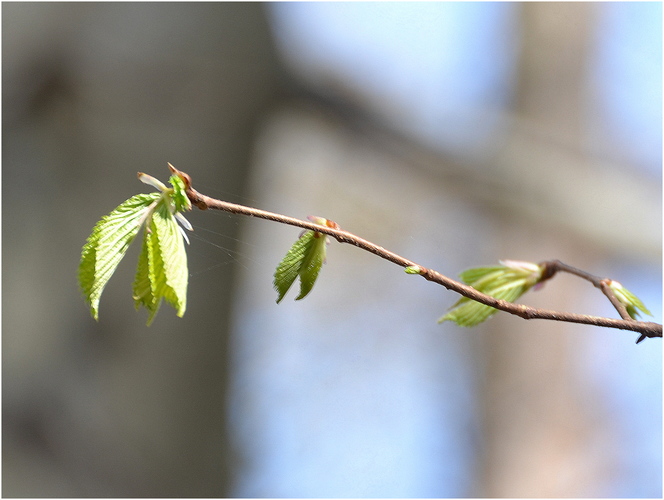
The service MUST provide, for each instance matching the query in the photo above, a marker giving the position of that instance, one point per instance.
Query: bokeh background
(455, 134)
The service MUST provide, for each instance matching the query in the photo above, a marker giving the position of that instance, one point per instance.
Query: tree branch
(646, 329)
(551, 267)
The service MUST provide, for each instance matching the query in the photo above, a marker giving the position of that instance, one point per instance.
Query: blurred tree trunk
(553, 66)
(537, 427)
(93, 93)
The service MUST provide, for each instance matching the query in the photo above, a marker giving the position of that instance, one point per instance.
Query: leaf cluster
(508, 282)
(304, 260)
(162, 265)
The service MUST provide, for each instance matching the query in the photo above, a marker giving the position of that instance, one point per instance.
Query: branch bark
(645, 328)
(553, 266)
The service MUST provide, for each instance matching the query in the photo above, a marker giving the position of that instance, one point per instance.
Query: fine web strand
(240, 255)
(237, 257)
(231, 197)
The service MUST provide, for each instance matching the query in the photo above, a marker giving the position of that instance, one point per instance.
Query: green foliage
(508, 281)
(304, 259)
(162, 267)
(180, 200)
(631, 302)
(107, 244)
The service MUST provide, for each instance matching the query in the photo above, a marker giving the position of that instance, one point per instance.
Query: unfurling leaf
(107, 244)
(631, 302)
(162, 266)
(180, 200)
(304, 259)
(508, 281)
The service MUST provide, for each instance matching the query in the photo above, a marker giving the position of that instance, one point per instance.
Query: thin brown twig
(647, 329)
(620, 307)
(551, 267)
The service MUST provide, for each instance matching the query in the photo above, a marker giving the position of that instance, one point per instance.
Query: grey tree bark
(93, 93)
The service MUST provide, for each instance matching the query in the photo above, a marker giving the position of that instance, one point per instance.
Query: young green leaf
(413, 270)
(180, 199)
(107, 244)
(631, 302)
(304, 259)
(162, 266)
(508, 281)
(311, 264)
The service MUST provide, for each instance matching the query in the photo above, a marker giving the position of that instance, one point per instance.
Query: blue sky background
(628, 75)
(406, 56)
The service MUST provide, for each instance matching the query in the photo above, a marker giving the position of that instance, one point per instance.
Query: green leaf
(142, 287)
(162, 266)
(480, 275)
(631, 302)
(506, 282)
(107, 244)
(304, 259)
(179, 195)
(467, 312)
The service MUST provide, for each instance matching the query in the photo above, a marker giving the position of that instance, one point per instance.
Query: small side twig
(620, 307)
(551, 267)
(647, 329)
